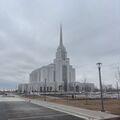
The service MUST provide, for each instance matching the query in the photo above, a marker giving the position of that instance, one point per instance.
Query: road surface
(23, 110)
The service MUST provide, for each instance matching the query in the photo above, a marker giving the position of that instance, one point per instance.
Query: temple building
(58, 76)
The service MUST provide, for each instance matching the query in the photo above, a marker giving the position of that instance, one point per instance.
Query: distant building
(57, 76)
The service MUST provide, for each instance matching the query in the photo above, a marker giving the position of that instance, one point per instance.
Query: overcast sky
(29, 37)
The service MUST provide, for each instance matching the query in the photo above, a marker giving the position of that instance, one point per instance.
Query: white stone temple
(58, 76)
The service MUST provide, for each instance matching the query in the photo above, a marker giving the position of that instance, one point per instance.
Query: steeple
(61, 41)
(61, 51)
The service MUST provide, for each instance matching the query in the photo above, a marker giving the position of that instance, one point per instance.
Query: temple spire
(61, 41)
(61, 51)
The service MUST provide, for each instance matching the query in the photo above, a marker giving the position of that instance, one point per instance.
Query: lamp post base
(102, 110)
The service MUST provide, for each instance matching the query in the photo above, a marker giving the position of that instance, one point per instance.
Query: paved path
(83, 113)
(18, 109)
(7, 99)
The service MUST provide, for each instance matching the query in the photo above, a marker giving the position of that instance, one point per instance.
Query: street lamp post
(117, 90)
(74, 90)
(99, 70)
(45, 90)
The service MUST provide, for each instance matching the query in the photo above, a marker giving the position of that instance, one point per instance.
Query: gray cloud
(29, 36)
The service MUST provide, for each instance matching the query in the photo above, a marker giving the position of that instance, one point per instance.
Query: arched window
(60, 87)
(77, 88)
(50, 88)
(40, 89)
(47, 89)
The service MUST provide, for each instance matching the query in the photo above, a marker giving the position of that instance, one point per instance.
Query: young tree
(117, 74)
(86, 90)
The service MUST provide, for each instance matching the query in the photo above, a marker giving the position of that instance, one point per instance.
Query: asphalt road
(21, 110)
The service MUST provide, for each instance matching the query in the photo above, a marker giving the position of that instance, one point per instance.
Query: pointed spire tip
(61, 41)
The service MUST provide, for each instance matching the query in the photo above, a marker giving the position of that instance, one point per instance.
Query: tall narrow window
(54, 76)
(64, 76)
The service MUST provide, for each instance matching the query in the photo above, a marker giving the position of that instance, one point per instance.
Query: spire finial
(61, 42)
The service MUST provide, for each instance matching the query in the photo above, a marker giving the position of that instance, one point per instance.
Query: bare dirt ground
(110, 105)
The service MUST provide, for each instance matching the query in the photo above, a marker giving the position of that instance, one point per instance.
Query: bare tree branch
(117, 74)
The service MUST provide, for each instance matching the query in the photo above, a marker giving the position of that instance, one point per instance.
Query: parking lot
(21, 110)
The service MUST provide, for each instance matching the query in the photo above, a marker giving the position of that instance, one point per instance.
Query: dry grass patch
(110, 105)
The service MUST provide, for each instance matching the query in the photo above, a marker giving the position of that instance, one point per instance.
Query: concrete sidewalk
(82, 113)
